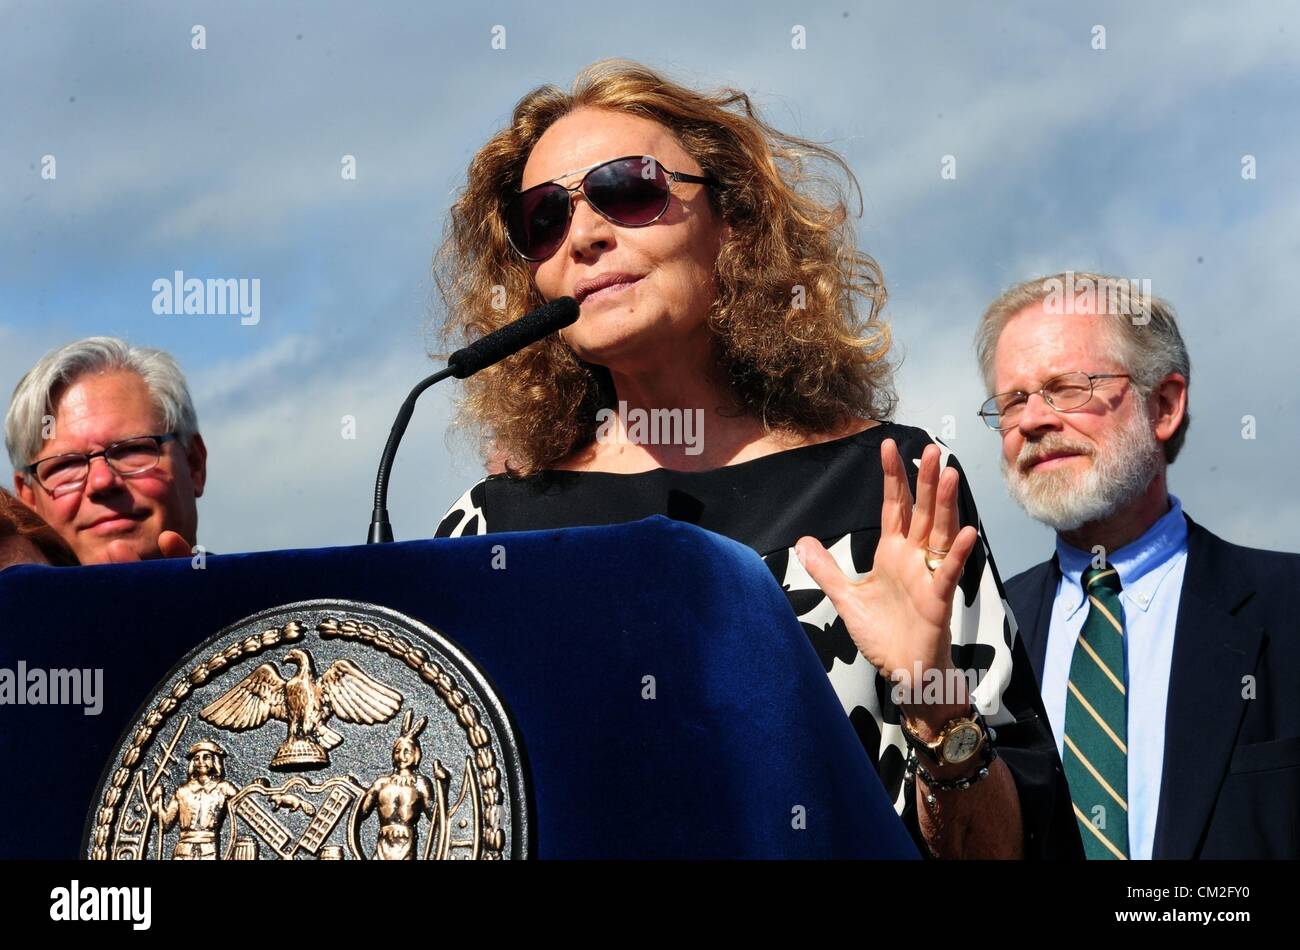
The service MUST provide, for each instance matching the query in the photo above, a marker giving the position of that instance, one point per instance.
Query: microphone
(465, 362)
(513, 337)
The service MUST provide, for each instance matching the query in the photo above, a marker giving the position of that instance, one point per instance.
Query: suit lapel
(1213, 650)
(1041, 622)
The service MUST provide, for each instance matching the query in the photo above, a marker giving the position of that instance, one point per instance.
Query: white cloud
(1123, 160)
(283, 475)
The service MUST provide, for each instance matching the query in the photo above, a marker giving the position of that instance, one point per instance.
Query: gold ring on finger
(934, 557)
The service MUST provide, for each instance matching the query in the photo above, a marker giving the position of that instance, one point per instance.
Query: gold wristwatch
(960, 739)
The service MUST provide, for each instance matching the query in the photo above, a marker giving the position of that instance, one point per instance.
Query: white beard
(1121, 469)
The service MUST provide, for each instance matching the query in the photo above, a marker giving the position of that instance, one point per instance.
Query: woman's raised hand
(899, 614)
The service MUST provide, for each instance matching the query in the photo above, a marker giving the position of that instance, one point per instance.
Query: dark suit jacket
(1231, 783)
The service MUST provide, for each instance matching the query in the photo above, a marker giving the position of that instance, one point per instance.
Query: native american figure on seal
(403, 795)
(199, 805)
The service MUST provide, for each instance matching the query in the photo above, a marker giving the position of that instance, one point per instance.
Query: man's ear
(1168, 405)
(196, 454)
(25, 493)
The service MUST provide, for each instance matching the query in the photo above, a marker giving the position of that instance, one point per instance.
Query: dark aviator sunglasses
(632, 191)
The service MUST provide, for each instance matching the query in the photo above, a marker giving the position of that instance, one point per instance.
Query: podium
(667, 702)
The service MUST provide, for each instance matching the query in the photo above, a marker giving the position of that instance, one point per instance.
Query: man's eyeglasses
(633, 191)
(62, 474)
(1063, 393)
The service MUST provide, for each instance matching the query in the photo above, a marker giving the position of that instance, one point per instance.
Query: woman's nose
(588, 230)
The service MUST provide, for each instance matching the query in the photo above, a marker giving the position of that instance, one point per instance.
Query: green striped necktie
(1096, 731)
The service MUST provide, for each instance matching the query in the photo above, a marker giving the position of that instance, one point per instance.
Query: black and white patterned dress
(833, 492)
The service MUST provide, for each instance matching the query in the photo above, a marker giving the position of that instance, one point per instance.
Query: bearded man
(1168, 658)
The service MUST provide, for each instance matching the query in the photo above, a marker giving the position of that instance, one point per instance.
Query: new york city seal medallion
(326, 730)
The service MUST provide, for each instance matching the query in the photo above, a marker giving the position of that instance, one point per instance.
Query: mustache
(1031, 453)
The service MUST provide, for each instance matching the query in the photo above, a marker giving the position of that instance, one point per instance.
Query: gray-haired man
(105, 446)
(1167, 656)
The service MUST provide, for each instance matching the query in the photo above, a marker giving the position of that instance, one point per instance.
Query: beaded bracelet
(914, 768)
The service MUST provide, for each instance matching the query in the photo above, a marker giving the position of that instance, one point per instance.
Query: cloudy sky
(225, 162)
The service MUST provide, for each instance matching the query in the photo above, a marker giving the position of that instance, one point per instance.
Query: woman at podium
(730, 368)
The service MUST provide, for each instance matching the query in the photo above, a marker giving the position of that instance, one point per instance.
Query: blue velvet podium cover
(744, 729)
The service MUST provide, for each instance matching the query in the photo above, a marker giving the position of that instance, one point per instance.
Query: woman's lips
(608, 293)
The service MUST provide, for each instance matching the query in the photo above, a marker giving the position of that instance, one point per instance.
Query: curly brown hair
(17, 520)
(790, 338)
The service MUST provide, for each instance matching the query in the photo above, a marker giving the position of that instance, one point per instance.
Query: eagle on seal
(305, 702)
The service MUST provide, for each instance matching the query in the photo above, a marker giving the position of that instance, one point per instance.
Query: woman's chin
(618, 338)
(615, 344)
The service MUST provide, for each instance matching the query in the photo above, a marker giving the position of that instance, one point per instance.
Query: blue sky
(225, 162)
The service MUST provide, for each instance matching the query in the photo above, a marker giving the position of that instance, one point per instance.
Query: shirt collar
(1142, 564)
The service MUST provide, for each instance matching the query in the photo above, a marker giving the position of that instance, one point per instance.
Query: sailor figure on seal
(199, 805)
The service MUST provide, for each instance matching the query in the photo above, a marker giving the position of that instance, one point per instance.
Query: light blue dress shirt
(1151, 574)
